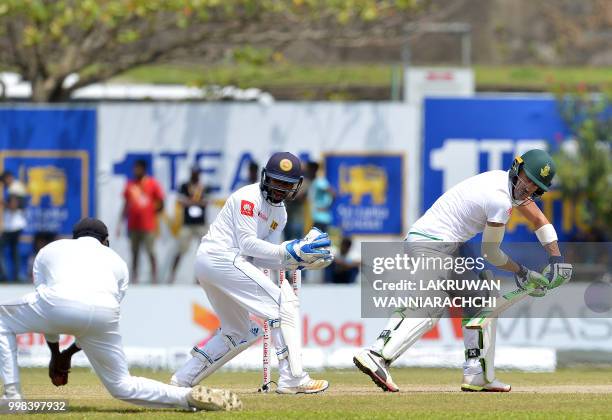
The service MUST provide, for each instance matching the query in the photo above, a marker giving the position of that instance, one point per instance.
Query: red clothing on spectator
(142, 198)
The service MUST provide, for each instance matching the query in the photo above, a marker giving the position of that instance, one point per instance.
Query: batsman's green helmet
(538, 166)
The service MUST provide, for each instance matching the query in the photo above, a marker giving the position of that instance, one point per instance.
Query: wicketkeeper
(482, 203)
(244, 238)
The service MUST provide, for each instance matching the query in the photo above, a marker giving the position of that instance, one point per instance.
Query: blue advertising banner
(369, 192)
(467, 136)
(51, 153)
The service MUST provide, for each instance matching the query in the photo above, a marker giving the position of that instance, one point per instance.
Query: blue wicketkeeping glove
(312, 247)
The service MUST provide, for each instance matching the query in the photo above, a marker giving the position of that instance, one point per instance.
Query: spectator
(144, 199)
(321, 196)
(342, 270)
(192, 199)
(14, 223)
(252, 176)
(253, 172)
(14, 187)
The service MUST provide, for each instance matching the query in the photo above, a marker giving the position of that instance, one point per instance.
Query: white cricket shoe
(376, 368)
(313, 386)
(478, 383)
(210, 399)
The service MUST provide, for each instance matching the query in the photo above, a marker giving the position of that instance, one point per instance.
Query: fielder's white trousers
(236, 289)
(97, 332)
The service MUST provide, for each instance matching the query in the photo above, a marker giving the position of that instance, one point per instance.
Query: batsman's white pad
(400, 334)
(290, 328)
(480, 344)
(217, 351)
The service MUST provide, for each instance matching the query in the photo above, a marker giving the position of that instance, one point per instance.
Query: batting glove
(531, 280)
(557, 272)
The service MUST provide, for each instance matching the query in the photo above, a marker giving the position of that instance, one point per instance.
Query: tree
(584, 162)
(47, 40)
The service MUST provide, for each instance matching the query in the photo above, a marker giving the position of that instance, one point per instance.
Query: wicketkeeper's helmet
(285, 167)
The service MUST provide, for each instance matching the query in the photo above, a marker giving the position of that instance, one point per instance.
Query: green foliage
(46, 40)
(584, 162)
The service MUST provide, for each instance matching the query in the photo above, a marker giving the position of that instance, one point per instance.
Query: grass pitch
(426, 393)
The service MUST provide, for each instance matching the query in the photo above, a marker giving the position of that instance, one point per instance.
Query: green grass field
(426, 393)
(339, 75)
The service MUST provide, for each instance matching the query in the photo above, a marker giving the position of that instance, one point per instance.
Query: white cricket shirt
(81, 269)
(250, 225)
(463, 211)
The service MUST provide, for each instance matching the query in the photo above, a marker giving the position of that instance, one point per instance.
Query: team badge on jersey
(274, 225)
(246, 208)
(286, 165)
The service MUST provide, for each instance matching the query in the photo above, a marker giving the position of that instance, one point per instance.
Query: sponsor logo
(509, 211)
(262, 216)
(326, 334)
(246, 208)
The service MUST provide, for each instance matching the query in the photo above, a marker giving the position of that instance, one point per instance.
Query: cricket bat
(509, 299)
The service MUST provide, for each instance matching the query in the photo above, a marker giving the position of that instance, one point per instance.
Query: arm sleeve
(123, 281)
(492, 237)
(38, 274)
(498, 211)
(274, 264)
(246, 232)
(38, 270)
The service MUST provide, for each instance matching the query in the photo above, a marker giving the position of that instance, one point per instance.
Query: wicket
(296, 281)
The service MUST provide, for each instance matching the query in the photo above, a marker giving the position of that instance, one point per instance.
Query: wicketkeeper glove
(557, 272)
(527, 279)
(318, 264)
(314, 246)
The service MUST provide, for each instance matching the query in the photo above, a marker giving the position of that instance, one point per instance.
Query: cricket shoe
(313, 386)
(210, 399)
(376, 368)
(477, 383)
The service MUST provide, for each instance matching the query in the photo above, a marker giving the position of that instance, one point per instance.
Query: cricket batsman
(482, 203)
(80, 283)
(245, 237)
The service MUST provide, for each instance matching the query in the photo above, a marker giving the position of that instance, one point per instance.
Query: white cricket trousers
(96, 330)
(236, 289)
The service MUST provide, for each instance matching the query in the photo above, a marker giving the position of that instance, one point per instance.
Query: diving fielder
(80, 283)
(482, 203)
(245, 237)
